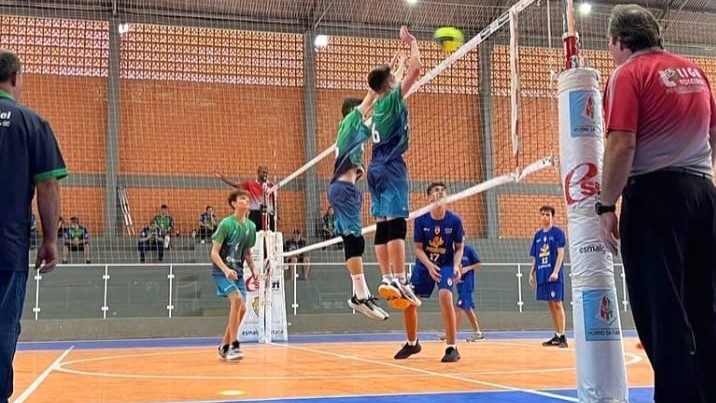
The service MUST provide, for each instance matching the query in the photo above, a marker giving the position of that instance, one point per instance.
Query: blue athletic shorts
(389, 189)
(550, 291)
(224, 286)
(347, 202)
(423, 284)
(464, 299)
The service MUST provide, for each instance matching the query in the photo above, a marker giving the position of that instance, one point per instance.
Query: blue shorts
(13, 284)
(423, 284)
(347, 202)
(224, 286)
(464, 299)
(550, 291)
(389, 189)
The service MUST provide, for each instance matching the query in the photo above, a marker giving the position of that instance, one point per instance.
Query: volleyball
(449, 38)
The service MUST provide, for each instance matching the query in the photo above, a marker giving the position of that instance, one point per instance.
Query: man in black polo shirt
(29, 158)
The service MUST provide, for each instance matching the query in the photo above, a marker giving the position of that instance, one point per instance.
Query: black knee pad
(353, 246)
(397, 228)
(381, 233)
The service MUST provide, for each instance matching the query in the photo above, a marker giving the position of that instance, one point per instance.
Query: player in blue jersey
(438, 237)
(465, 289)
(347, 200)
(388, 174)
(547, 275)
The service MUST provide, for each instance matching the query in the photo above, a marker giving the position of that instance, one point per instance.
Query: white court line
(634, 358)
(433, 373)
(62, 368)
(34, 385)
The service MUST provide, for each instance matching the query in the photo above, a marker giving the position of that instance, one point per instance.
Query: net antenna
(473, 43)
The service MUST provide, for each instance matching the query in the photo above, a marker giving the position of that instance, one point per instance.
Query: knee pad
(353, 246)
(381, 233)
(397, 228)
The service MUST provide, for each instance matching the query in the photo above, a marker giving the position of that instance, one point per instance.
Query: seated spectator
(33, 231)
(328, 231)
(165, 223)
(207, 224)
(76, 238)
(151, 238)
(297, 242)
(60, 228)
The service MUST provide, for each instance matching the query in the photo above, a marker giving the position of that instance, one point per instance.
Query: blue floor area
(313, 338)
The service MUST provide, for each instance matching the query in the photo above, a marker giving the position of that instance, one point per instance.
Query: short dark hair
(9, 65)
(378, 77)
(235, 194)
(163, 206)
(547, 209)
(349, 104)
(434, 185)
(635, 27)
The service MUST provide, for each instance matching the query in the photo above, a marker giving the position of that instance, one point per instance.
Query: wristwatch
(601, 209)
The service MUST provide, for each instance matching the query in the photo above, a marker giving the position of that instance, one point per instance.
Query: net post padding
(516, 176)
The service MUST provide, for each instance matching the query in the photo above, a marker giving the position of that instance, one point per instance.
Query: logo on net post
(600, 316)
(581, 183)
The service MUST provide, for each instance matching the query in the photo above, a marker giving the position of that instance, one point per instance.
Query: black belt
(676, 170)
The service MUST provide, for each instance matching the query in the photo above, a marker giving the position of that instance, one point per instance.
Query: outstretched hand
(405, 35)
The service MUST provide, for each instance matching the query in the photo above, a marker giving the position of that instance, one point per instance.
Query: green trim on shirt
(6, 95)
(58, 173)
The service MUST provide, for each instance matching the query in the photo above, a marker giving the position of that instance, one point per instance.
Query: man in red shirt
(259, 196)
(660, 118)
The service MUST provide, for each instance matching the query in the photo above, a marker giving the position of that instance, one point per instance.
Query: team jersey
(389, 127)
(544, 251)
(438, 237)
(234, 236)
(29, 154)
(166, 223)
(469, 258)
(76, 234)
(258, 191)
(352, 134)
(207, 219)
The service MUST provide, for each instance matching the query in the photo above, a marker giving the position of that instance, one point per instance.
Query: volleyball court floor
(506, 367)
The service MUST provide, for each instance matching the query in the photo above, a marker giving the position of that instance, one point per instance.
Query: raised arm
(414, 64)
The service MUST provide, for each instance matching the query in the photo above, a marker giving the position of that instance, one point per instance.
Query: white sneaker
(368, 308)
(407, 292)
(234, 354)
(476, 336)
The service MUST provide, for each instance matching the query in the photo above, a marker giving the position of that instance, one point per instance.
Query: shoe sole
(235, 359)
(368, 313)
(451, 360)
(388, 292)
(399, 303)
(395, 297)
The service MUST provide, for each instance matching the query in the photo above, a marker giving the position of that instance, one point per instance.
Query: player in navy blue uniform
(465, 290)
(29, 158)
(388, 174)
(547, 275)
(438, 237)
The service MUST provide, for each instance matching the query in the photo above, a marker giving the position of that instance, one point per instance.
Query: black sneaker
(408, 350)
(563, 342)
(553, 342)
(451, 355)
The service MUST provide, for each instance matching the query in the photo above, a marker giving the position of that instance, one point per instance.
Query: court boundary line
(436, 374)
(38, 381)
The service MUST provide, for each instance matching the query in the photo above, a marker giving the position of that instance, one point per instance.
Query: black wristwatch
(601, 209)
